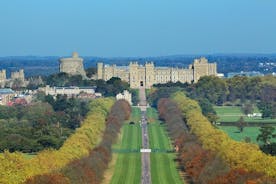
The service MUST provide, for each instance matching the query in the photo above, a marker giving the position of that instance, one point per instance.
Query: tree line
(208, 154)
(15, 168)
(44, 123)
(90, 169)
(195, 158)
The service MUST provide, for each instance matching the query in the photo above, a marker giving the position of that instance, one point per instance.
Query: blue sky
(136, 27)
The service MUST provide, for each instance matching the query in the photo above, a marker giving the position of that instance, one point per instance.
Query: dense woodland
(15, 168)
(44, 123)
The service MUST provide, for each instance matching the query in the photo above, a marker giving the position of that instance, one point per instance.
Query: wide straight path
(146, 177)
(128, 163)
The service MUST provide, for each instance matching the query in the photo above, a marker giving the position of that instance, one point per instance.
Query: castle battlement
(18, 75)
(3, 75)
(147, 75)
(72, 65)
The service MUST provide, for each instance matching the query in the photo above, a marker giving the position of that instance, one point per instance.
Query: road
(146, 177)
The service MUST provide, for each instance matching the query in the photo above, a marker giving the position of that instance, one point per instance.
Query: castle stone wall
(147, 75)
(72, 66)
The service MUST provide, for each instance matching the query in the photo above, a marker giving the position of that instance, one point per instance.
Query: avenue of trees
(207, 154)
(15, 168)
(90, 169)
(237, 155)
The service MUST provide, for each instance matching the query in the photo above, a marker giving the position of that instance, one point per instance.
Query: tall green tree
(247, 108)
(266, 134)
(241, 124)
(212, 88)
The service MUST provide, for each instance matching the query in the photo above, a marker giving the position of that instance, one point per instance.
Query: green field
(233, 114)
(128, 165)
(163, 167)
(251, 132)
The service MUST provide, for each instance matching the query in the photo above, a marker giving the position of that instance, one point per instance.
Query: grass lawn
(152, 115)
(163, 167)
(128, 165)
(251, 132)
(29, 155)
(233, 114)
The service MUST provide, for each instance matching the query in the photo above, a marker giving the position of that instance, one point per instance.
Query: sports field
(128, 163)
(233, 114)
(163, 167)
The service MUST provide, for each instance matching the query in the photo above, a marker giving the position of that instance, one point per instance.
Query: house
(6, 95)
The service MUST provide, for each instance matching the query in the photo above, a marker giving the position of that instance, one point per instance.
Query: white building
(6, 95)
(69, 91)
(126, 96)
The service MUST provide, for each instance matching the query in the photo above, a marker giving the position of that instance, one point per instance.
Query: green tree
(91, 71)
(241, 124)
(247, 139)
(17, 84)
(267, 103)
(111, 87)
(213, 118)
(247, 108)
(212, 88)
(49, 142)
(266, 134)
(206, 106)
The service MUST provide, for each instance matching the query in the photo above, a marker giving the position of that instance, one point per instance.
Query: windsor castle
(147, 75)
(141, 75)
(17, 75)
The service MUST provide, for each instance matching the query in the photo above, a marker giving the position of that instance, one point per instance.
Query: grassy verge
(163, 167)
(128, 165)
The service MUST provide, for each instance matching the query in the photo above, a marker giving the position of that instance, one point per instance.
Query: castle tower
(100, 71)
(73, 65)
(21, 74)
(134, 75)
(150, 75)
(18, 75)
(3, 75)
(201, 67)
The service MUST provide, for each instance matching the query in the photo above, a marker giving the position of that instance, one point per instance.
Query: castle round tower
(73, 65)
